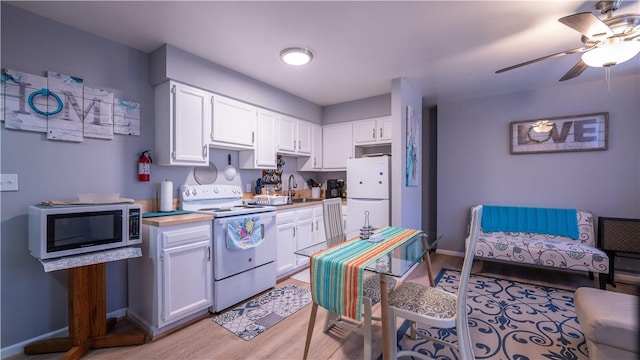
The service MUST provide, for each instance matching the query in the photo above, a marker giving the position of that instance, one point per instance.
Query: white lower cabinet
(296, 230)
(172, 282)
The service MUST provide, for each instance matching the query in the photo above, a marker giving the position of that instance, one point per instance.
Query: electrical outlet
(8, 182)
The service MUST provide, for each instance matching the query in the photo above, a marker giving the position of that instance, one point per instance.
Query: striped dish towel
(337, 273)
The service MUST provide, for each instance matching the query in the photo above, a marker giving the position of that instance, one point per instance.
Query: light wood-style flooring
(206, 340)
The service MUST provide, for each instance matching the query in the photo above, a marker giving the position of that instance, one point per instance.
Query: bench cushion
(572, 255)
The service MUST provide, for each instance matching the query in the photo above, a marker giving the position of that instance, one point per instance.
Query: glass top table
(394, 261)
(397, 261)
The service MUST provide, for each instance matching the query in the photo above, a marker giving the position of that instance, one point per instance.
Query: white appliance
(237, 274)
(368, 189)
(57, 231)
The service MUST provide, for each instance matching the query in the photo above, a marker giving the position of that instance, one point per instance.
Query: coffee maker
(334, 188)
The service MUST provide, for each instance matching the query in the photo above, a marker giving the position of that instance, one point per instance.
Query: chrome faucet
(290, 191)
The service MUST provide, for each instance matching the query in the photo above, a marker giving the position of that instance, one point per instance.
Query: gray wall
(406, 202)
(475, 167)
(375, 106)
(35, 302)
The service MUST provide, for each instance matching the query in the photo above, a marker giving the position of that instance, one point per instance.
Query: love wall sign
(64, 108)
(569, 133)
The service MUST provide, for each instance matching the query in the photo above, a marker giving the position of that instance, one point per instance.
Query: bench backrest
(585, 228)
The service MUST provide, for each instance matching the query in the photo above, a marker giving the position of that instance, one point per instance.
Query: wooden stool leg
(312, 321)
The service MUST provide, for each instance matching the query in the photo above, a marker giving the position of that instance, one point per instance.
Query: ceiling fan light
(614, 51)
(296, 56)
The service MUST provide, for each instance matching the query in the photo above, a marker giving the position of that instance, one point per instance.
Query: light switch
(8, 182)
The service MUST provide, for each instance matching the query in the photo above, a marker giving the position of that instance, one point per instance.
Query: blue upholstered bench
(542, 237)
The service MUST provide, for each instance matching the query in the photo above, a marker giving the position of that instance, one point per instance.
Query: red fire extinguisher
(144, 166)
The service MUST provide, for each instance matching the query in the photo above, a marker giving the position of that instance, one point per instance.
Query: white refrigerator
(368, 189)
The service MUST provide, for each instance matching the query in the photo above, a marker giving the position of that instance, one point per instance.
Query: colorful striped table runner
(337, 272)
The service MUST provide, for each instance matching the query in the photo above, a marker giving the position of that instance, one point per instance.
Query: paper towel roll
(166, 196)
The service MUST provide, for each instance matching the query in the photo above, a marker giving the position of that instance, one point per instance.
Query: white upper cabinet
(234, 124)
(337, 145)
(263, 156)
(304, 137)
(372, 131)
(313, 162)
(294, 136)
(182, 125)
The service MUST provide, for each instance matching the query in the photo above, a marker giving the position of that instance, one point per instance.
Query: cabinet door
(364, 132)
(304, 237)
(287, 134)
(318, 230)
(285, 259)
(265, 150)
(337, 146)
(191, 116)
(384, 129)
(233, 123)
(304, 137)
(186, 280)
(313, 162)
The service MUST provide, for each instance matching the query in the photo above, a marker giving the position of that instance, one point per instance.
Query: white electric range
(237, 274)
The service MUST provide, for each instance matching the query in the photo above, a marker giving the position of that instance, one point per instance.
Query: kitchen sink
(305, 200)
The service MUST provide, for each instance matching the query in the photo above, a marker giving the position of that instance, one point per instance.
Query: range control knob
(194, 192)
(186, 193)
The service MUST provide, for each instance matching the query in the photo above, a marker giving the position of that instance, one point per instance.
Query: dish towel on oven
(244, 233)
(337, 273)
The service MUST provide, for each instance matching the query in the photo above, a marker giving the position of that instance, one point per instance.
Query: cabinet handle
(314, 161)
(294, 231)
(204, 152)
(294, 144)
(299, 145)
(209, 253)
(253, 137)
(380, 132)
(373, 133)
(262, 230)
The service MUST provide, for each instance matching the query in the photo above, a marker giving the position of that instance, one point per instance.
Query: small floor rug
(508, 320)
(255, 316)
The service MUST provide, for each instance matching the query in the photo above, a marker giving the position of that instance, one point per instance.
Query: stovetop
(218, 200)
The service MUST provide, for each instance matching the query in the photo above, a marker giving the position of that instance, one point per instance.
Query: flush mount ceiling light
(296, 56)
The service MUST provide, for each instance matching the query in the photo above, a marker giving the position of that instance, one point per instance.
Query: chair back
(465, 347)
(333, 228)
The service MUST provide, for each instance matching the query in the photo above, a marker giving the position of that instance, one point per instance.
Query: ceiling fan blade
(576, 70)
(587, 24)
(562, 53)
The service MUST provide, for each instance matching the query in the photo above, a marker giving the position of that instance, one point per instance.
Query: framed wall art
(586, 132)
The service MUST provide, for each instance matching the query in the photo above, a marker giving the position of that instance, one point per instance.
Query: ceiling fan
(607, 42)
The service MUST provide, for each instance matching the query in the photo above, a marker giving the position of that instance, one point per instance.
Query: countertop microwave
(58, 231)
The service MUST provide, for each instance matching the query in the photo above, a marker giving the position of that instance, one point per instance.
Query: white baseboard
(450, 252)
(627, 278)
(18, 348)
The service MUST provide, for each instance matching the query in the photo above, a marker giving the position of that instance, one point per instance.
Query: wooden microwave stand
(87, 301)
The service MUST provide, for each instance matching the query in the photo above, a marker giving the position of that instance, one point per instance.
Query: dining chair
(335, 234)
(433, 307)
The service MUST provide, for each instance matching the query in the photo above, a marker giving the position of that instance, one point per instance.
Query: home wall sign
(64, 108)
(567, 133)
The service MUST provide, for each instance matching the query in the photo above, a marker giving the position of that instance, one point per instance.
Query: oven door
(228, 260)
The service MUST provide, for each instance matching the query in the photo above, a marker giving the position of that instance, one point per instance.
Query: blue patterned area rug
(508, 320)
(255, 316)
